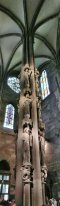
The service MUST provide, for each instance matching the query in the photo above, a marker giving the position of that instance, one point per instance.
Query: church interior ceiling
(21, 18)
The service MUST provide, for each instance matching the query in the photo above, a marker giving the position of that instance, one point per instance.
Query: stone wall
(51, 118)
(8, 153)
(7, 136)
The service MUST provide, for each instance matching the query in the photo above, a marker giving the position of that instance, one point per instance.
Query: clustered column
(41, 138)
(31, 166)
(24, 141)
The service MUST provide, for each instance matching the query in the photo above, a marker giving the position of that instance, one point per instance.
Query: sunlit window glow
(9, 116)
(4, 186)
(6, 197)
(44, 85)
(14, 84)
(6, 177)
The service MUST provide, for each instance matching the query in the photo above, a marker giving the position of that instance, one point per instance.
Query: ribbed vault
(21, 19)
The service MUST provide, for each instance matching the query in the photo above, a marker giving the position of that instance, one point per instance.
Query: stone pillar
(26, 161)
(29, 168)
(41, 136)
(43, 177)
(37, 187)
(23, 173)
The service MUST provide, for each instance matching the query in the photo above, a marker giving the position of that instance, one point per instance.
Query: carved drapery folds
(26, 136)
(26, 144)
(41, 136)
(25, 79)
(25, 98)
(25, 108)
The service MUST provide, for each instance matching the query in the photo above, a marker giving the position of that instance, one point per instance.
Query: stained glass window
(4, 186)
(44, 85)
(14, 84)
(9, 116)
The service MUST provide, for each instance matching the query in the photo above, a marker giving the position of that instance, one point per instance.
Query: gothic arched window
(44, 85)
(13, 83)
(9, 116)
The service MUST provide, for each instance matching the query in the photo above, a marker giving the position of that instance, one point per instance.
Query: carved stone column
(27, 127)
(43, 177)
(37, 187)
(23, 173)
(31, 168)
(29, 156)
(41, 136)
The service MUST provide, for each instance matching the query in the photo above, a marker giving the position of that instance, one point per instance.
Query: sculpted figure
(53, 202)
(26, 145)
(37, 81)
(25, 104)
(42, 146)
(39, 108)
(44, 173)
(26, 72)
(26, 173)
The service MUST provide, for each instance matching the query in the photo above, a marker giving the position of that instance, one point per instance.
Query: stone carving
(41, 137)
(52, 202)
(41, 125)
(42, 146)
(26, 95)
(26, 137)
(44, 173)
(26, 145)
(37, 81)
(25, 104)
(39, 108)
(27, 92)
(26, 73)
(27, 121)
(26, 173)
(38, 93)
